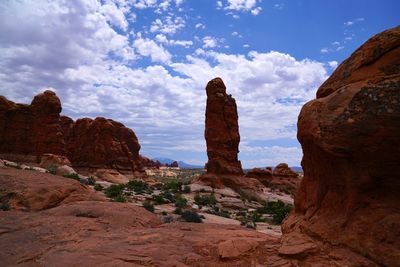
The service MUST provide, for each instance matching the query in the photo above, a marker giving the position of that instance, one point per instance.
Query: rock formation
(282, 178)
(31, 129)
(222, 138)
(100, 143)
(38, 129)
(222, 130)
(347, 207)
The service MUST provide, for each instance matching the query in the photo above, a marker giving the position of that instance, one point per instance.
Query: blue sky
(146, 63)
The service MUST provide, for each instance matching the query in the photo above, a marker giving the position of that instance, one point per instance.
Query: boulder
(48, 160)
(111, 175)
(282, 169)
(348, 201)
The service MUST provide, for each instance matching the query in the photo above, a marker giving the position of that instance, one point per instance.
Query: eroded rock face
(31, 129)
(222, 130)
(282, 169)
(100, 143)
(350, 135)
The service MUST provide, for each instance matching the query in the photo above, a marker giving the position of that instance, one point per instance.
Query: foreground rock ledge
(347, 206)
(55, 221)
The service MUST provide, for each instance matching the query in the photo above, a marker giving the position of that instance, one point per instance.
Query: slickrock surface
(347, 206)
(65, 226)
(31, 129)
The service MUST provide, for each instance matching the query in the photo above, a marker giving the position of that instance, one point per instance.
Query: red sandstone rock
(283, 169)
(74, 229)
(348, 201)
(222, 130)
(101, 143)
(145, 162)
(31, 129)
(46, 160)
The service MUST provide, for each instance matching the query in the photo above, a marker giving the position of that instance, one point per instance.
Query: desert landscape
(79, 191)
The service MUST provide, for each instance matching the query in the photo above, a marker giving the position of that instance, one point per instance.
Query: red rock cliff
(347, 206)
(100, 143)
(222, 130)
(31, 129)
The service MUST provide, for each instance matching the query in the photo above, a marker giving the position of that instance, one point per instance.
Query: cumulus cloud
(170, 25)
(93, 67)
(240, 6)
(149, 48)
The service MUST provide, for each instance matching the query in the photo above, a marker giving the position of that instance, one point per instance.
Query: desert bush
(205, 200)
(158, 199)
(148, 206)
(119, 198)
(139, 187)
(221, 213)
(174, 186)
(114, 190)
(74, 176)
(191, 216)
(98, 187)
(168, 195)
(52, 169)
(91, 180)
(180, 201)
(278, 209)
(186, 189)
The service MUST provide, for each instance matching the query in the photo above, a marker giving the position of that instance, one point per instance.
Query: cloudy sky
(146, 63)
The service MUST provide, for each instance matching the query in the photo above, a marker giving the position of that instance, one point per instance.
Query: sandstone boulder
(348, 201)
(282, 169)
(112, 176)
(48, 160)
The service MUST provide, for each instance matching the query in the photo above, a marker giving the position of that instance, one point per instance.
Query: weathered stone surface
(34, 191)
(111, 176)
(221, 130)
(31, 129)
(282, 169)
(47, 160)
(349, 197)
(85, 232)
(100, 143)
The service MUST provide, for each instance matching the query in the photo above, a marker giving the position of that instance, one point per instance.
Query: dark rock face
(101, 143)
(31, 129)
(350, 135)
(222, 130)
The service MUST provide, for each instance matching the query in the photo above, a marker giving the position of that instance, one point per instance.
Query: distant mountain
(297, 168)
(181, 164)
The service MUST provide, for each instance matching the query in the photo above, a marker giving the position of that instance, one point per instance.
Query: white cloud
(324, 50)
(200, 25)
(240, 5)
(149, 48)
(333, 64)
(114, 15)
(163, 39)
(256, 11)
(246, 45)
(210, 42)
(170, 25)
(352, 22)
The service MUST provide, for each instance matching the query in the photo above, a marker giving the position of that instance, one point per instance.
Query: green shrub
(168, 195)
(114, 190)
(98, 187)
(74, 176)
(148, 206)
(205, 200)
(139, 187)
(164, 212)
(5, 206)
(186, 189)
(91, 180)
(174, 186)
(180, 201)
(52, 169)
(158, 199)
(221, 213)
(178, 211)
(191, 216)
(119, 198)
(277, 209)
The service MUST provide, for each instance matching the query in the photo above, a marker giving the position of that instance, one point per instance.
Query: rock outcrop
(100, 143)
(282, 169)
(28, 132)
(222, 138)
(347, 207)
(31, 129)
(222, 130)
